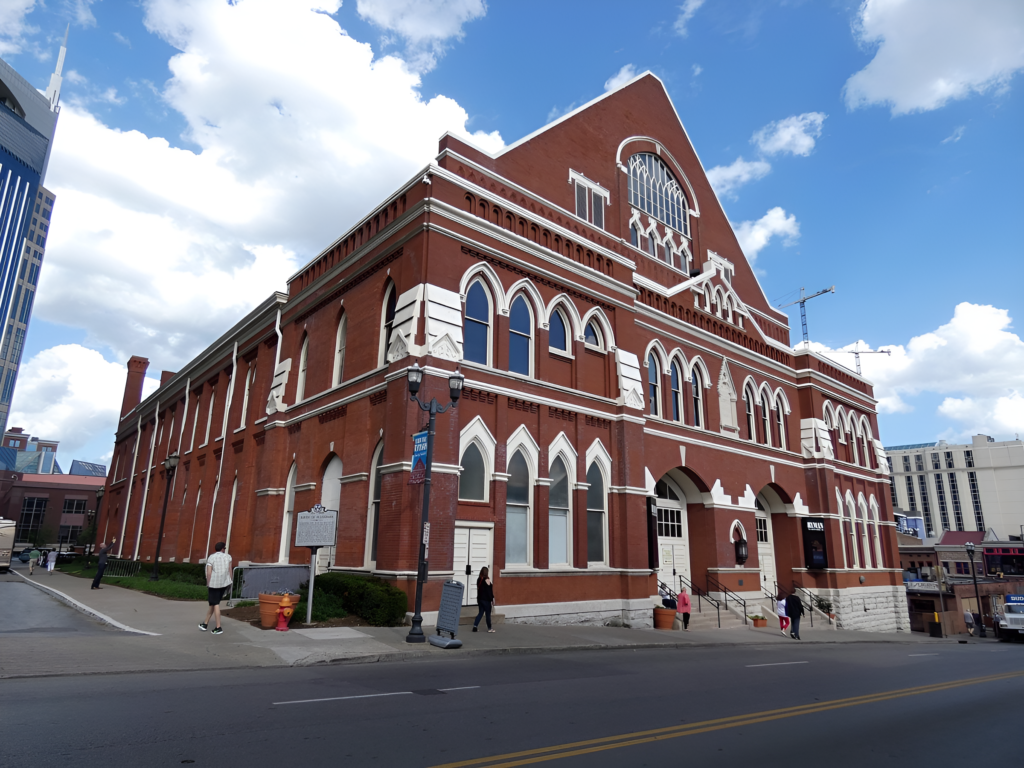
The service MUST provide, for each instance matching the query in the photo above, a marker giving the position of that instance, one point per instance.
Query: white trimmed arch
(572, 314)
(562, 446)
(521, 439)
(598, 316)
(665, 155)
(486, 274)
(658, 349)
(842, 527)
(527, 288)
(781, 395)
(829, 415)
(698, 364)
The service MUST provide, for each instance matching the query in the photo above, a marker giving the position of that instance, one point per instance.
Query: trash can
(934, 629)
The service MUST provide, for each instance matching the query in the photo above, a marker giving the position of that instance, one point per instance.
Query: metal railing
(771, 596)
(726, 592)
(701, 597)
(807, 603)
(123, 569)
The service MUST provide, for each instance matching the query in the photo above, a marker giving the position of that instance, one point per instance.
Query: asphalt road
(397, 715)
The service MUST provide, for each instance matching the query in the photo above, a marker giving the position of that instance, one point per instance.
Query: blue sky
(898, 182)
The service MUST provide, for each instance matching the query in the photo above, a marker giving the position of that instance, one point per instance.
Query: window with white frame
(748, 402)
(375, 505)
(340, 342)
(780, 422)
(677, 393)
(387, 325)
(654, 190)
(472, 478)
(520, 342)
(766, 426)
(558, 331)
(300, 387)
(592, 335)
(558, 514)
(697, 393)
(591, 199)
(478, 324)
(597, 507)
(653, 385)
(517, 512)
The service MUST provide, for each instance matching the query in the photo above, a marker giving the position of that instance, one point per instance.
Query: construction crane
(858, 352)
(802, 301)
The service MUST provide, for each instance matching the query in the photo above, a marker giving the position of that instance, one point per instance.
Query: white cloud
(620, 78)
(930, 52)
(726, 179)
(755, 235)
(686, 12)
(13, 28)
(426, 25)
(975, 360)
(956, 135)
(75, 77)
(697, 69)
(82, 11)
(70, 393)
(110, 97)
(794, 135)
(122, 39)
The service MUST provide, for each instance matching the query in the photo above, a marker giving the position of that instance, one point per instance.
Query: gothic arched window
(478, 324)
(654, 190)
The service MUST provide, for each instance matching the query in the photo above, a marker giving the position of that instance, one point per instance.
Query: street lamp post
(455, 382)
(170, 464)
(96, 516)
(977, 594)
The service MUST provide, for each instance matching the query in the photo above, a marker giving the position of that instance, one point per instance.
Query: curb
(67, 599)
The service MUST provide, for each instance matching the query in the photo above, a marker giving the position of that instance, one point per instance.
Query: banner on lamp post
(419, 459)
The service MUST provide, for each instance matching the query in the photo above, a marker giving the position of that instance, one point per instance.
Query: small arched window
(698, 399)
(340, 341)
(766, 424)
(472, 478)
(520, 340)
(558, 514)
(557, 336)
(375, 506)
(748, 402)
(300, 387)
(780, 422)
(677, 394)
(517, 511)
(387, 322)
(653, 385)
(634, 236)
(478, 324)
(592, 335)
(596, 512)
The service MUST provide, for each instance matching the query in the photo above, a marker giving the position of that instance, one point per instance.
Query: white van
(1013, 616)
(6, 544)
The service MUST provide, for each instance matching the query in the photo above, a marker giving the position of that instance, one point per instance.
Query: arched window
(517, 512)
(716, 305)
(748, 401)
(654, 190)
(879, 561)
(300, 387)
(634, 236)
(698, 399)
(653, 385)
(472, 477)
(557, 336)
(558, 514)
(766, 424)
(387, 325)
(330, 498)
(520, 341)
(289, 511)
(374, 520)
(592, 335)
(780, 422)
(340, 341)
(865, 534)
(677, 392)
(597, 508)
(478, 324)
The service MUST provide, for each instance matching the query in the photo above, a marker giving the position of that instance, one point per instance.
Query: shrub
(375, 601)
(325, 605)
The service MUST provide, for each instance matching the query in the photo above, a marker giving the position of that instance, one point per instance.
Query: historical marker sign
(419, 458)
(316, 528)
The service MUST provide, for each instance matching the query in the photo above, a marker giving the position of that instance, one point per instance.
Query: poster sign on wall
(419, 458)
(815, 545)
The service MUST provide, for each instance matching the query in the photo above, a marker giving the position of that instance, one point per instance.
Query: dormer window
(591, 198)
(654, 190)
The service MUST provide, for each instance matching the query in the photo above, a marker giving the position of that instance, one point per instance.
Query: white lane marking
(778, 664)
(463, 688)
(343, 698)
(922, 654)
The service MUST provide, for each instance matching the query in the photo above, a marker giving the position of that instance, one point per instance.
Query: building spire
(53, 89)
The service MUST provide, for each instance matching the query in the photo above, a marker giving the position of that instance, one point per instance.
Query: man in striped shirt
(218, 581)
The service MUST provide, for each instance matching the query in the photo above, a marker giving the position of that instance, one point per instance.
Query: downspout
(149, 472)
(131, 483)
(224, 440)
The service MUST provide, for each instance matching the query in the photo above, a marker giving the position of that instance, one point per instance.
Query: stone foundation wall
(870, 609)
(594, 613)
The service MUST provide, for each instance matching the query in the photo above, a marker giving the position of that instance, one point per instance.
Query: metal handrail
(701, 596)
(720, 587)
(771, 597)
(808, 606)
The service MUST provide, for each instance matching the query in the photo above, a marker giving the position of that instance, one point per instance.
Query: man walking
(102, 565)
(218, 581)
(33, 559)
(794, 610)
(51, 561)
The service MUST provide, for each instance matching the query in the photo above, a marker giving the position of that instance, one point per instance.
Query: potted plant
(759, 621)
(664, 617)
(825, 606)
(269, 602)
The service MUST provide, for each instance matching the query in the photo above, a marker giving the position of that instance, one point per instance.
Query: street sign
(448, 616)
(419, 458)
(316, 528)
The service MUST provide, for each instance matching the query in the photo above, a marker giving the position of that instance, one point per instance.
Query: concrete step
(469, 613)
(709, 620)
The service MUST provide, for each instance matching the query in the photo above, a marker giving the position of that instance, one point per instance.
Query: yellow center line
(604, 743)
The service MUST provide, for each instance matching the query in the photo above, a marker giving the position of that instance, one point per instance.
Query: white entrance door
(673, 546)
(473, 548)
(765, 551)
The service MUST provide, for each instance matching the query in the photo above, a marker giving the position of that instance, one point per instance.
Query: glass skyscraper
(28, 119)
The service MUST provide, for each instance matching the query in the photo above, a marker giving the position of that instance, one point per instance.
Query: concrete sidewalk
(158, 634)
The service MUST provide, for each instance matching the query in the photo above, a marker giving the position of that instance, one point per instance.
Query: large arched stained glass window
(654, 190)
(478, 324)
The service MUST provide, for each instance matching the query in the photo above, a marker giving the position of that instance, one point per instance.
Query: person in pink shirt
(780, 608)
(683, 608)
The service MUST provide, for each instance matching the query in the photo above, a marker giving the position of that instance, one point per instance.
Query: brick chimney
(166, 376)
(137, 367)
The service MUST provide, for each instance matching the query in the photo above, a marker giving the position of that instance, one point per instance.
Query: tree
(43, 536)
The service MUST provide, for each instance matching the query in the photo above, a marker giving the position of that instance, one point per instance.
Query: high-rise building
(28, 120)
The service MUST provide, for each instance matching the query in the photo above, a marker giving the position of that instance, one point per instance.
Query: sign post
(314, 529)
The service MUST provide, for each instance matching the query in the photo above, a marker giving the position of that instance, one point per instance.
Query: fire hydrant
(284, 612)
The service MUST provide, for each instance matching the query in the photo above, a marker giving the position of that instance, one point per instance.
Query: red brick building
(619, 356)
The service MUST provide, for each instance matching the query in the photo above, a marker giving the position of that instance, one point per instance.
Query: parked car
(66, 557)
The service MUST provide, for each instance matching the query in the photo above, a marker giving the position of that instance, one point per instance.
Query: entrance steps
(708, 619)
(469, 613)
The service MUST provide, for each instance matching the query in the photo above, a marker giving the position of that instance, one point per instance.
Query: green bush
(163, 588)
(371, 599)
(325, 605)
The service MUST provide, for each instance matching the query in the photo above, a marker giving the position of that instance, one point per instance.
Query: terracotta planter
(760, 622)
(663, 618)
(268, 608)
(832, 616)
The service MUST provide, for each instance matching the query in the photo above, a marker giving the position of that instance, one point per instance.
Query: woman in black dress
(484, 598)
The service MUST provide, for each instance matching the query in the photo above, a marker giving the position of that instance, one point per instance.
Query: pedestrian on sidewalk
(780, 607)
(51, 561)
(683, 608)
(969, 621)
(218, 581)
(794, 610)
(484, 598)
(33, 560)
(101, 566)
